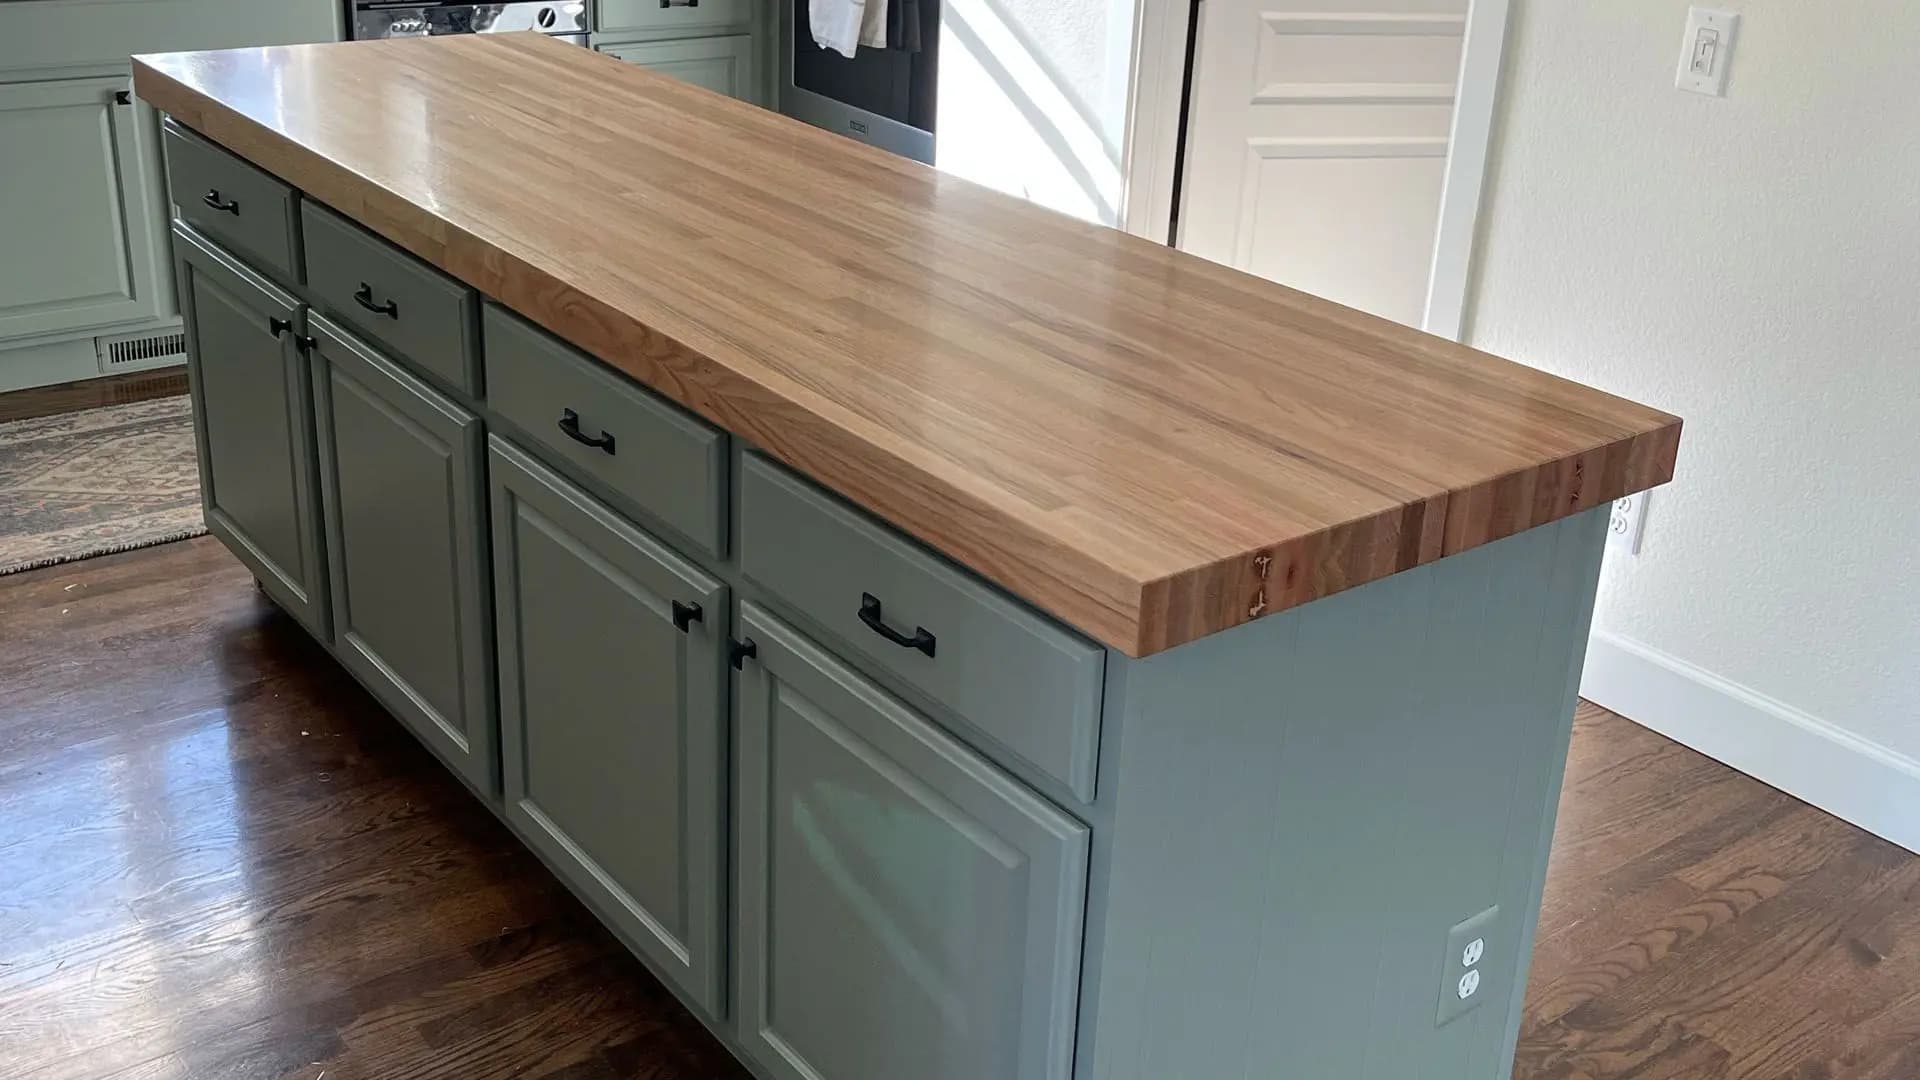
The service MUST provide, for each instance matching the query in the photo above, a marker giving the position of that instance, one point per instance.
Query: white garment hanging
(836, 24)
(873, 24)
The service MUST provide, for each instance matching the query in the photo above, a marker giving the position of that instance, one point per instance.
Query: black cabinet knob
(685, 615)
(739, 652)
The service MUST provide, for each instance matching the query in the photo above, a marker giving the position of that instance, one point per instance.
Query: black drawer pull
(570, 423)
(364, 297)
(679, 3)
(870, 614)
(278, 325)
(212, 199)
(685, 615)
(123, 97)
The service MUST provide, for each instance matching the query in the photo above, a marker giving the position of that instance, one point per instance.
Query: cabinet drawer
(233, 202)
(648, 454)
(414, 310)
(1019, 678)
(617, 15)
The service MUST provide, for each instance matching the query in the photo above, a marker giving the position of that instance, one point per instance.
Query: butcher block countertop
(1149, 446)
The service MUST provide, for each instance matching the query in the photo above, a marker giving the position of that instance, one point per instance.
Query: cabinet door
(253, 420)
(611, 716)
(721, 64)
(905, 908)
(400, 476)
(76, 194)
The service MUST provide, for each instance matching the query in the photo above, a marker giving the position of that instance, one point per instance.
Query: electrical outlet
(1464, 980)
(1626, 522)
(1706, 51)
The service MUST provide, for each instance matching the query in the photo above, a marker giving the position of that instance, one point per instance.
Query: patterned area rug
(99, 481)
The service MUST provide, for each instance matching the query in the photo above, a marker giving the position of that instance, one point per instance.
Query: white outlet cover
(1627, 523)
(1706, 51)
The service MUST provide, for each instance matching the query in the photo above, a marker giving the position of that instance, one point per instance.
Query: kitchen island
(943, 639)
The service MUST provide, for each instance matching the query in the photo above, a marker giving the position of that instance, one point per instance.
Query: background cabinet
(254, 424)
(723, 64)
(905, 908)
(611, 716)
(401, 484)
(77, 218)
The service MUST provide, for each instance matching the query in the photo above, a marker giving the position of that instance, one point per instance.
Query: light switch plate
(1472, 963)
(1707, 50)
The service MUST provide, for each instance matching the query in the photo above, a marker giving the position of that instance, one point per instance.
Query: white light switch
(1706, 51)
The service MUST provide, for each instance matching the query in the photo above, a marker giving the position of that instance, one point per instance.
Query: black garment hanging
(903, 24)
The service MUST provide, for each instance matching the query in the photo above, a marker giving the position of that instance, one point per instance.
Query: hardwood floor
(89, 393)
(222, 860)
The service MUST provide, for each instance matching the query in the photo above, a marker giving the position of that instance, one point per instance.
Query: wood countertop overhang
(1147, 445)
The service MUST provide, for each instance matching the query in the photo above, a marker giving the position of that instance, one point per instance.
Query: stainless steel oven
(884, 96)
(567, 20)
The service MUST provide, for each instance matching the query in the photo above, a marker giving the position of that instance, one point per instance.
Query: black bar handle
(685, 615)
(570, 423)
(212, 198)
(679, 3)
(123, 97)
(738, 653)
(870, 614)
(278, 325)
(364, 297)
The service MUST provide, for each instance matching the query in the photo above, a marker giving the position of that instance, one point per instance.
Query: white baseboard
(1847, 776)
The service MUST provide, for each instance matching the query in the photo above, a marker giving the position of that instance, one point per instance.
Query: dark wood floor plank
(224, 861)
(92, 393)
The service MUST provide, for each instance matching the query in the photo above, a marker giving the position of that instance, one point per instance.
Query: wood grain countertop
(1147, 445)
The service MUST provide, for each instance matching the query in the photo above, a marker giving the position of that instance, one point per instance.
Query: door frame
(1155, 136)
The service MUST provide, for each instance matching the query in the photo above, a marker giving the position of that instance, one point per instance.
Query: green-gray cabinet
(723, 64)
(251, 401)
(77, 220)
(401, 476)
(906, 909)
(612, 716)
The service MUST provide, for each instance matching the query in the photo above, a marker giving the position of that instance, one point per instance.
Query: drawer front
(652, 456)
(417, 312)
(616, 15)
(233, 202)
(1019, 678)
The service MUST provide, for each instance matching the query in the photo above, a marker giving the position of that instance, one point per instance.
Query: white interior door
(1317, 140)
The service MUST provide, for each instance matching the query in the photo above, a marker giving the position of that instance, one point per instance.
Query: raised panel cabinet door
(402, 484)
(722, 64)
(906, 909)
(612, 716)
(253, 421)
(78, 221)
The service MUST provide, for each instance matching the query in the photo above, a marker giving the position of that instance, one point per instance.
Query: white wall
(1753, 264)
(1033, 98)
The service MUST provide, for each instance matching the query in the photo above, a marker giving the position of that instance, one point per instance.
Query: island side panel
(1305, 806)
